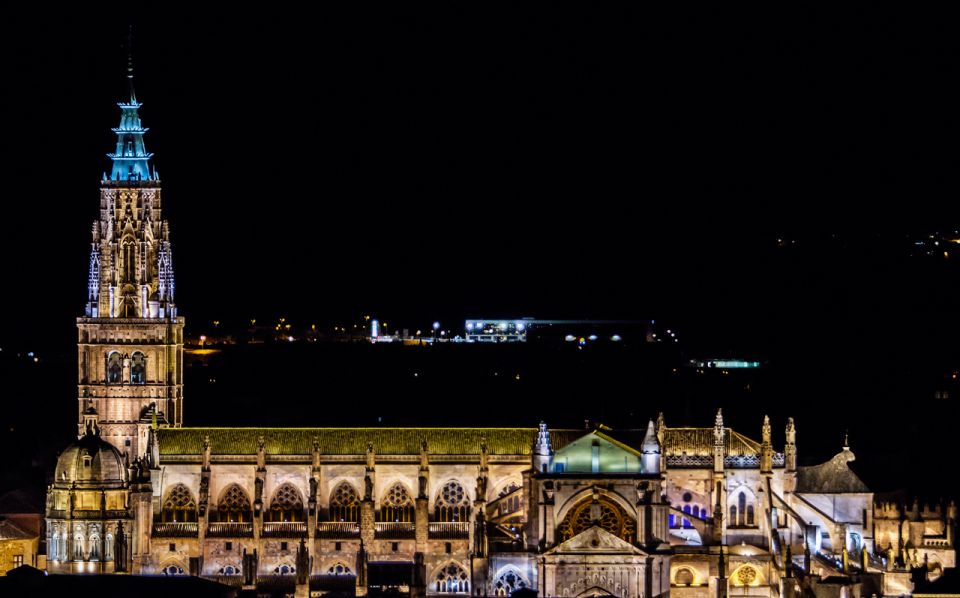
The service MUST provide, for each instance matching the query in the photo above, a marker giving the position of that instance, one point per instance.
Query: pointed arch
(344, 502)
(452, 503)
(179, 505)
(452, 578)
(114, 367)
(508, 580)
(613, 518)
(234, 505)
(396, 504)
(286, 504)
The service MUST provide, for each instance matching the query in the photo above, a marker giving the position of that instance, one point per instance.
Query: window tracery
(452, 503)
(396, 504)
(287, 504)
(452, 579)
(344, 503)
(179, 506)
(234, 505)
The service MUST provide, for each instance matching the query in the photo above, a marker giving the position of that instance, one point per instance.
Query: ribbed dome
(92, 462)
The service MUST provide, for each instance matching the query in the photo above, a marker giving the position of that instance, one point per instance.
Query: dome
(92, 462)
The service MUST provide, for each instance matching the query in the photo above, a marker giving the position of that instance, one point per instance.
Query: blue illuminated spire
(131, 159)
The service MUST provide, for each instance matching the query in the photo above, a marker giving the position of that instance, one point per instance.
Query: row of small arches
(234, 505)
(742, 513)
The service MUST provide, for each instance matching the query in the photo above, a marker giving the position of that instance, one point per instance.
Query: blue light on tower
(374, 329)
(131, 160)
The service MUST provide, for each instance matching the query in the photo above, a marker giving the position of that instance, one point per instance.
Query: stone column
(422, 522)
(367, 519)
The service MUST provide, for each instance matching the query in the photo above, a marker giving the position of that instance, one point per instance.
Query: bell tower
(130, 345)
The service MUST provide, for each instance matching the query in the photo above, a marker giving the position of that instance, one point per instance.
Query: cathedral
(705, 512)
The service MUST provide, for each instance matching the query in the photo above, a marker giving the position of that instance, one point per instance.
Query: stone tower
(130, 346)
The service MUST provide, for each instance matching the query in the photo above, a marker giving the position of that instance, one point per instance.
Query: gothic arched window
(129, 261)
(108, 548)
(179, 506)
(733, 516)
(452, 579)
(344, 503)
(452, 503)
(78, 547)
(138, 368)
(234, 505)
(396, 504)
(287, 504)
(95, 546)
(509, 582)
(114, 368)
(750, 515)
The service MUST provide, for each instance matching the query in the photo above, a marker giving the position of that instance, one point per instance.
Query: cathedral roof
(440, 441)
(353, 441)
(834, 476)
(90, 461)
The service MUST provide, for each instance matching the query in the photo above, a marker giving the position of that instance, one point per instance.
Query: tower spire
(131, 160)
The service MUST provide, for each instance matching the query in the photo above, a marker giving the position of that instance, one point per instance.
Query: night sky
(756, 178)
(447, 162)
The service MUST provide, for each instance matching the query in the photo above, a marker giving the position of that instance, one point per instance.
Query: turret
(542, 449)
(650, 451)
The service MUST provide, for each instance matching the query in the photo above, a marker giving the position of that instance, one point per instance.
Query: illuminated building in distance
(492, 330)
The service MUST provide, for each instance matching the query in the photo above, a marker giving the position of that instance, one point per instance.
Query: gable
(595, 540)
(596, 453)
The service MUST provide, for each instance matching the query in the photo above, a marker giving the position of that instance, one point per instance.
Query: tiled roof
(440, 441)
(353, 441)
(10, 531)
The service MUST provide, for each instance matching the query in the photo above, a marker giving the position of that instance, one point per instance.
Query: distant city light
(592, 337)
(469, 325)
(436, 325)
(290, 339)
(569, 338)
(732, 364)
(616, 338)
